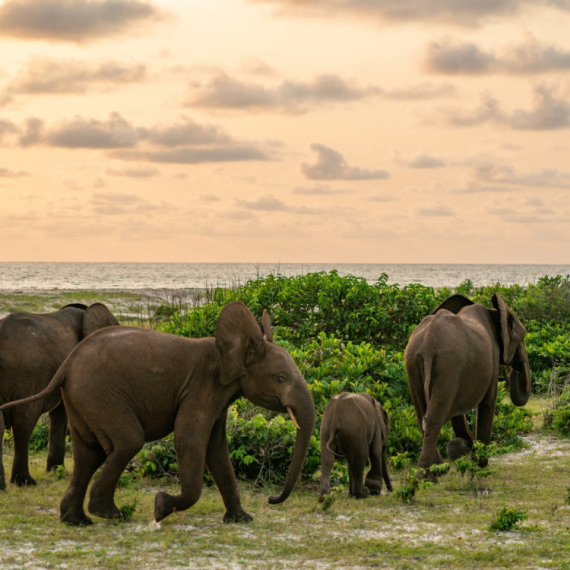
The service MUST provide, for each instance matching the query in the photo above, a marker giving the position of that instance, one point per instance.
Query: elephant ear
(266, 326)
(454, 304)
(383, 420)
(239, 341)
(96, 317)
(511, 330)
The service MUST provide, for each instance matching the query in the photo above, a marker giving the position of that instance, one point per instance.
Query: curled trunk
(519, 379)
(305, 415)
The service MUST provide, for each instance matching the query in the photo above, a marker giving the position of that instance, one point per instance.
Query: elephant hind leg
(23, 423)
(463, 442)
(327, 463)
(2, 476)
(356, 451)
(102, 495)
(87, 459)
(374, 477)
(57, 433)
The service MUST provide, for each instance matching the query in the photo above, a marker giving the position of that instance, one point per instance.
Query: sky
(337, 131)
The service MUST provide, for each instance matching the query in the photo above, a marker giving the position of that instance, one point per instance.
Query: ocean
(16, 276)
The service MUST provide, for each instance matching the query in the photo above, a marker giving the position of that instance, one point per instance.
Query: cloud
(319, 190)
(466, 58)
(194, 155)
(224, 92)
(477, 188)
(436, 211)
(462, 12)
(140, 172)
(546, 178)
(269, 203)
(419, 160)
(7, 128)
(117, 204)
(547, 112)
(73, 20)
(331, 165)
(209, 198)
(6, 173)
(117, 132)
(53, 76)
(382, 197)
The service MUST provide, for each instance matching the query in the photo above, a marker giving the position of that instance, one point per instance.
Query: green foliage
(59, 473)
(346, 334)
(507, 519)
(39, 439)
(128, 510)
(158, 459)
(329, 500)
(416, 479)
(559, 416)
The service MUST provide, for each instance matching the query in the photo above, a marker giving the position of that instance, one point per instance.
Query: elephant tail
(56, 383)
(331, 439)
(427, 362)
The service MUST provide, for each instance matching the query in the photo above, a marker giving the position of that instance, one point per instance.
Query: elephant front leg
(190, 443)
(485, 418)
(356, 456)
(57, 432)
(462, 444)
(220, 466)
(375, 476)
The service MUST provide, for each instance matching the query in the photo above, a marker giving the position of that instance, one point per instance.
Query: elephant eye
(280, 379)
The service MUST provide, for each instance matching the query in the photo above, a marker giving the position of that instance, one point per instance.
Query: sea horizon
(92, 275)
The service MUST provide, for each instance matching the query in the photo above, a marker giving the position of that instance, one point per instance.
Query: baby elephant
(355, 426)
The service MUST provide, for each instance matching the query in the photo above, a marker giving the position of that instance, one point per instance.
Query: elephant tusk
(293, 419)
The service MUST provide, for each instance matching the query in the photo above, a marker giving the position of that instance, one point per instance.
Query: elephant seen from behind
(32, 348)
(355, 426)
(124, 386)
(452, 361)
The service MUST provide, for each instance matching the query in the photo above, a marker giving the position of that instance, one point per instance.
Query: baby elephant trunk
(519, 379)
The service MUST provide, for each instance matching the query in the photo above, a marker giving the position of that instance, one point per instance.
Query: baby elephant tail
(56, 382)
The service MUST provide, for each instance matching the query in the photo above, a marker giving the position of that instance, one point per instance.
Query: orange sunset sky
(383, 131)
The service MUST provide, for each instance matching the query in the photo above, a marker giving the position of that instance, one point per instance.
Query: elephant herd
(121, 386)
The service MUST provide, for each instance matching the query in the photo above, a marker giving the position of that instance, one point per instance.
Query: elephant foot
(75, 519)
(374, 487)
(23, 480)
(104, 509)
(237, 516)
(163, 505)
(362, 494)
(457, 448)
(53, 464)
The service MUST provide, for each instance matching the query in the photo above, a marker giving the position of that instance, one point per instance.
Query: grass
(442, 528)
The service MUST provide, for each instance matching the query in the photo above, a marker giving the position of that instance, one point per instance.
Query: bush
(507, 519)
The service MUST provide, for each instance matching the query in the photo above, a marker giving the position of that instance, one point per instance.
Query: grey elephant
(123, 386)
(452, 360)
(355, 426)
(32, 348)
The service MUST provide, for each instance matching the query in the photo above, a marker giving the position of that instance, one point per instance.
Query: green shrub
(39, 439)
(158, 459)
(507, 519)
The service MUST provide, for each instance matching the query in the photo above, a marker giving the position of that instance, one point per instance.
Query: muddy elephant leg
(357, 455)
(2, 475)
(485, 418)
(86, 460)
(220, 466)
(190, 443)
(102, 494)
(57, 433)
(23, 423)
(327, 463)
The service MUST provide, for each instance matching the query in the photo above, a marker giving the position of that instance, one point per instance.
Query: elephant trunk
(305, 415)
(519, 379)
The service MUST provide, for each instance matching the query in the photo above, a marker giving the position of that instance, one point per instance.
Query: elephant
(452, 360)
(123, 386)
(355, 426)
(32, 347)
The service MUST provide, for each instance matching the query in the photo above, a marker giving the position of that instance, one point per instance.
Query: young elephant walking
(355, 426)
(123, 386)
